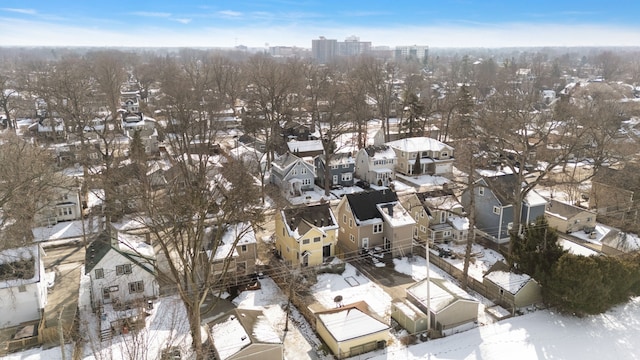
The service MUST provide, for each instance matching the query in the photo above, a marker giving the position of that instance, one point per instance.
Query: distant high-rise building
(352, 46)
(420, 53)
(324, 50)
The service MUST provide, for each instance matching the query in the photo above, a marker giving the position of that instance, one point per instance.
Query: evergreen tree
(537, 251)
(136, 149)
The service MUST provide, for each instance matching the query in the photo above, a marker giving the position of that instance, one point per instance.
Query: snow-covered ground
(482, 259)
(543, 334)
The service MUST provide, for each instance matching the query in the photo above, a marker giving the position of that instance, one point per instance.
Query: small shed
(409, 316)
(512, 291)
(350, 330)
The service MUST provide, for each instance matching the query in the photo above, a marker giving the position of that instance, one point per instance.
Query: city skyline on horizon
(193, 23)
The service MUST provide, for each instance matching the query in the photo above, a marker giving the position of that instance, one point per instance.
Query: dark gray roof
(363, 204)
(503, 187)
(318, 215)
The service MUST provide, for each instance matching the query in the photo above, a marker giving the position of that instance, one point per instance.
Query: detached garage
(451, 308)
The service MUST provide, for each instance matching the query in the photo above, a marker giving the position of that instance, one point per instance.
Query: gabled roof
(363, 204)
(441, 292)
(301, 219)
(240, 328)
(350, 322)
(508, 281)
(338, 158)
(503, 187)
(101, 246)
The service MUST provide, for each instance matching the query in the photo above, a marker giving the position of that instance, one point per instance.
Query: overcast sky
(443, 23)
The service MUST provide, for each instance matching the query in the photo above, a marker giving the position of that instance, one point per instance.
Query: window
(136, 287)
(123, 269)
(294, 172)
(243, 248)
(344, 219)
(22, 288)
(334, 166)
(352, 238)
(423, 228)
(444, 154)
(306, 181)
(345, 166)
(316, 239)
(377, 228)
(99, 273)
(481, 191)
(346, 176)
(446, 233)
(588, 219)
(496, 210)
(288, 249)
(350, 223)
(305, 241)
(303, 171)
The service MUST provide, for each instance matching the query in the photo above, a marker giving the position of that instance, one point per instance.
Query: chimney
(390, 209)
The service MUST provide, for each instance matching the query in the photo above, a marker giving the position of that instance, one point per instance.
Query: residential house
(439, 215)
(614, 190)
(422, 155)
(568, 218)
(294, 130)
(341, 169)
(350, 330)
(307, 148)
(72, 153)
(23, 287)
(247, 335)
(63, 205)
(292, 174)
(512, 291)
(234, 250)
(375, 164)
(373, 219)
(306, 235)
(494, 200)
(122, 269)
(49, 128)
(145, 126)
(451, 309)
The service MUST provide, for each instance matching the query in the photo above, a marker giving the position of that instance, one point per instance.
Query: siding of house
(456, 314)
(351, 347)
(401, 239)
(409, 316)
(111, 280)
(24, 305)
(297, 246)
(259, 352)
(529, 294)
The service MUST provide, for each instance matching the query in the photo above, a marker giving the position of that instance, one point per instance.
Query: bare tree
(273, 89)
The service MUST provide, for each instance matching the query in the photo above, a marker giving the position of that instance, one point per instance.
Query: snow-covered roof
(304, 146)
(240, 328)
(395, 214)
(509, 281)
(534, 199)
(441, 293)
(459, 222)
(350, 323)
(134, 244)
(244, 235)
(421, 143)
(26, 253)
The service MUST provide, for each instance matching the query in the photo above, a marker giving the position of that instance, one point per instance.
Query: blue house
(292, 174)
(494, 200)
(341, 168)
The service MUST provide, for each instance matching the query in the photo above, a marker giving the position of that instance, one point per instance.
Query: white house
(433, 157)
(23, 288)
(375, 164)
(122, 269)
